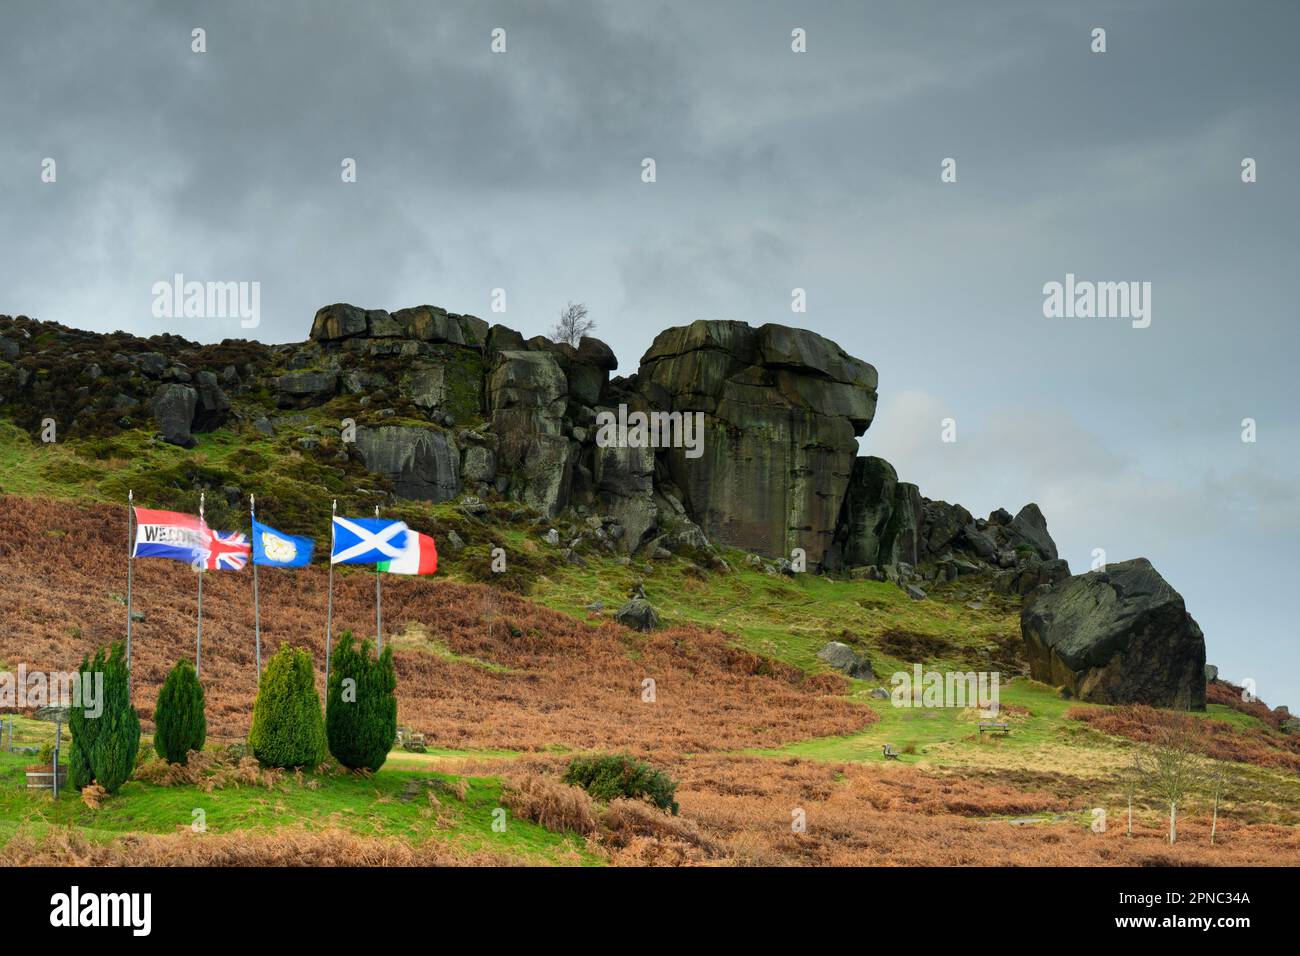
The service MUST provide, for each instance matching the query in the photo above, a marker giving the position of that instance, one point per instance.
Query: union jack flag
(228, 551)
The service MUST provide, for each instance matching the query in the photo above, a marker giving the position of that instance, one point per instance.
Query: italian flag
(420, 556)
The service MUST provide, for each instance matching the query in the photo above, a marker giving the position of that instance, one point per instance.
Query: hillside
(509, 675)
(504, 687)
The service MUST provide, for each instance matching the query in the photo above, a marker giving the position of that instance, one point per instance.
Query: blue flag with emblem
(275, 549)
(367, 540)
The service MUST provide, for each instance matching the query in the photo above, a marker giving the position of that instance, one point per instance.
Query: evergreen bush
(180, 724)
(361, 704)
(288, 730)
(104, 747)
(618, 775)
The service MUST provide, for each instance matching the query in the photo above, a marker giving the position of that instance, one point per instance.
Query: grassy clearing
(918, 732)
(415, 805)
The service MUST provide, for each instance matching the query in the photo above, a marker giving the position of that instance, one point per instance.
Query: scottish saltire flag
(367, 540)
(226, 551)
(420, 556)
(169, 534)
(276, 549)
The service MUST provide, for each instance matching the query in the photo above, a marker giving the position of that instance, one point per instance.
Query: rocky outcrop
(782, 410)
(775, 467)
(1029, 529)
(1120, 635)
(887, 531)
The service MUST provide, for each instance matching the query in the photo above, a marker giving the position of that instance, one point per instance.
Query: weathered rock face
(782, 409)
(624, 480)
(879, 523)
(426, 386)
(1118, 636)
(868, 506)
(527, 397)
(422, 463)
(304, 389)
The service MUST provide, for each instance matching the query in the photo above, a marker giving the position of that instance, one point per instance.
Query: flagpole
(379, 615)
(198, 640)
(329, 614)
(130, 569)
(257, 611)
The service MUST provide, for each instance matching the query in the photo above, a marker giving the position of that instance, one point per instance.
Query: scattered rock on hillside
(1117, 636)
(638, 614)
(843, 658)
(1211, 673)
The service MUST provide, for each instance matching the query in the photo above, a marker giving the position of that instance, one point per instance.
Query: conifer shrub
(180, 723)
(288, 730)
(610, 776)
(361, 704)
(104, 744)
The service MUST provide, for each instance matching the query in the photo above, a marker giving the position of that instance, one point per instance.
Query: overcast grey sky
(775, 170)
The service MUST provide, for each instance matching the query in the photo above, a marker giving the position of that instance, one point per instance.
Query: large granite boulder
(782, 410)
(502, 339)
(173, 412)
(1117, 636)
(429, 323)
(423, 463)
(340, 321)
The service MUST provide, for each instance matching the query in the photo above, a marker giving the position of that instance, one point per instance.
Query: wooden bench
(890, 752)
(994, 728)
